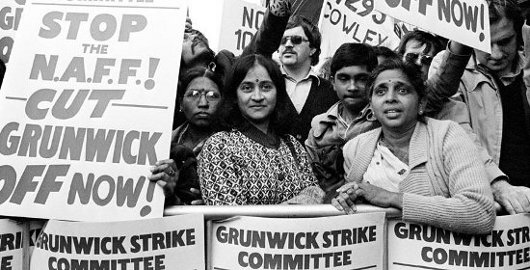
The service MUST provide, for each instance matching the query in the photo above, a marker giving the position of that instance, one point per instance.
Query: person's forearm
(396, 200)
(446, 74)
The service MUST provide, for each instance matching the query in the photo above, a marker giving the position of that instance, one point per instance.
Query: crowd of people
(439, 134)
(436, 129)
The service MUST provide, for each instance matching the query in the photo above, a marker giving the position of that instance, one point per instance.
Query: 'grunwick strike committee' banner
(343, 242)
(86, 108)
(417, 246)
(153, 244)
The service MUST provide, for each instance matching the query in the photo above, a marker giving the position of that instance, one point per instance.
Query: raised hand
(280, 8)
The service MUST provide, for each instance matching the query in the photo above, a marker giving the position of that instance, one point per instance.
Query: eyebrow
(506, 37)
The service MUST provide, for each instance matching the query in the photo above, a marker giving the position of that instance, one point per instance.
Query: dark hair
(411, 71)
(204, 58)
(184, 81)
(312, 33)
(197, 72)
(353, 54)
(431, 41)
(230, 109)
(499, 9)
(385, 52)
(2, 72)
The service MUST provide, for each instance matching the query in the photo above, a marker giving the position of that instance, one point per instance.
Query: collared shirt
(331, 129)
(386, 170)
(480, 92)
(298, 91)
(508, 78)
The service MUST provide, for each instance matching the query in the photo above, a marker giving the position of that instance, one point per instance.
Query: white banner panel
(340, 242)
(416, 246)
(354, 21)
(87, 106)
(164, 243)
(464, 21)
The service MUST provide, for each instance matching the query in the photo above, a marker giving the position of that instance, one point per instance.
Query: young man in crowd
(310, 95)
(350, 67)
(351, 116)
(419, 48)
(493, 87)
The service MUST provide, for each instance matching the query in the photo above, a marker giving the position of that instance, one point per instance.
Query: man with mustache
(496, 89)
(310, 94)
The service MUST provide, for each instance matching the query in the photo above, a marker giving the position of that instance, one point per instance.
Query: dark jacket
(321, 97)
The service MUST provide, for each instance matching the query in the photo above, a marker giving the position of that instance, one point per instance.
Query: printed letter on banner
(10, 14)
(341, 242)
(87, 107)
(11, 244)
(416, 246)
(164, 243)
(465, 21)
(357, 22)
(240, 22)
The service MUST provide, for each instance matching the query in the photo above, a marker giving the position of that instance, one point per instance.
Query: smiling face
(394, 101)
(200, 102)
(350, 84)
(295, 55)
(256, 96)
(503, 48)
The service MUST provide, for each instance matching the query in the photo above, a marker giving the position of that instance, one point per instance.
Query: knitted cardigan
(236, 170)
(447, 186)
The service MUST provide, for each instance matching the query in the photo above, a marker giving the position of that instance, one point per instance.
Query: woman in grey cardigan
(427, 168)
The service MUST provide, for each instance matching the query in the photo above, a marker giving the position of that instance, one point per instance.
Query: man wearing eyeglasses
(418, 47)
(496, 89)
(310, 95)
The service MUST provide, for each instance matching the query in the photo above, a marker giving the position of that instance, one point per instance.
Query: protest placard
(228, 24)
(416, 246)
(354, 21)
(153, 244)
(10, 14)
(341, 242)
(86, 108)
(464, 21)
(11, 244)
(240, 22)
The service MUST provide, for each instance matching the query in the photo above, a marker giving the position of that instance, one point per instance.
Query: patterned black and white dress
(250, 168)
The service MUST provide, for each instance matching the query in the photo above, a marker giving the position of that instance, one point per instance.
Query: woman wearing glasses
(255, 161)
(199, 97)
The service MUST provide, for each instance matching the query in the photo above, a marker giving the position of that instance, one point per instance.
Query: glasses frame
(202, 92)
(413, 57)
(295, 39)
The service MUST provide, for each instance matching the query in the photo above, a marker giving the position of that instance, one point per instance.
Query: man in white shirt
(310, 95)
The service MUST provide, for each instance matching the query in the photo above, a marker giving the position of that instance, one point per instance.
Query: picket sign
(152, 244)
(354, 21)
(465, 21)
(228, 24)
(10, 14)
(78, 74)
